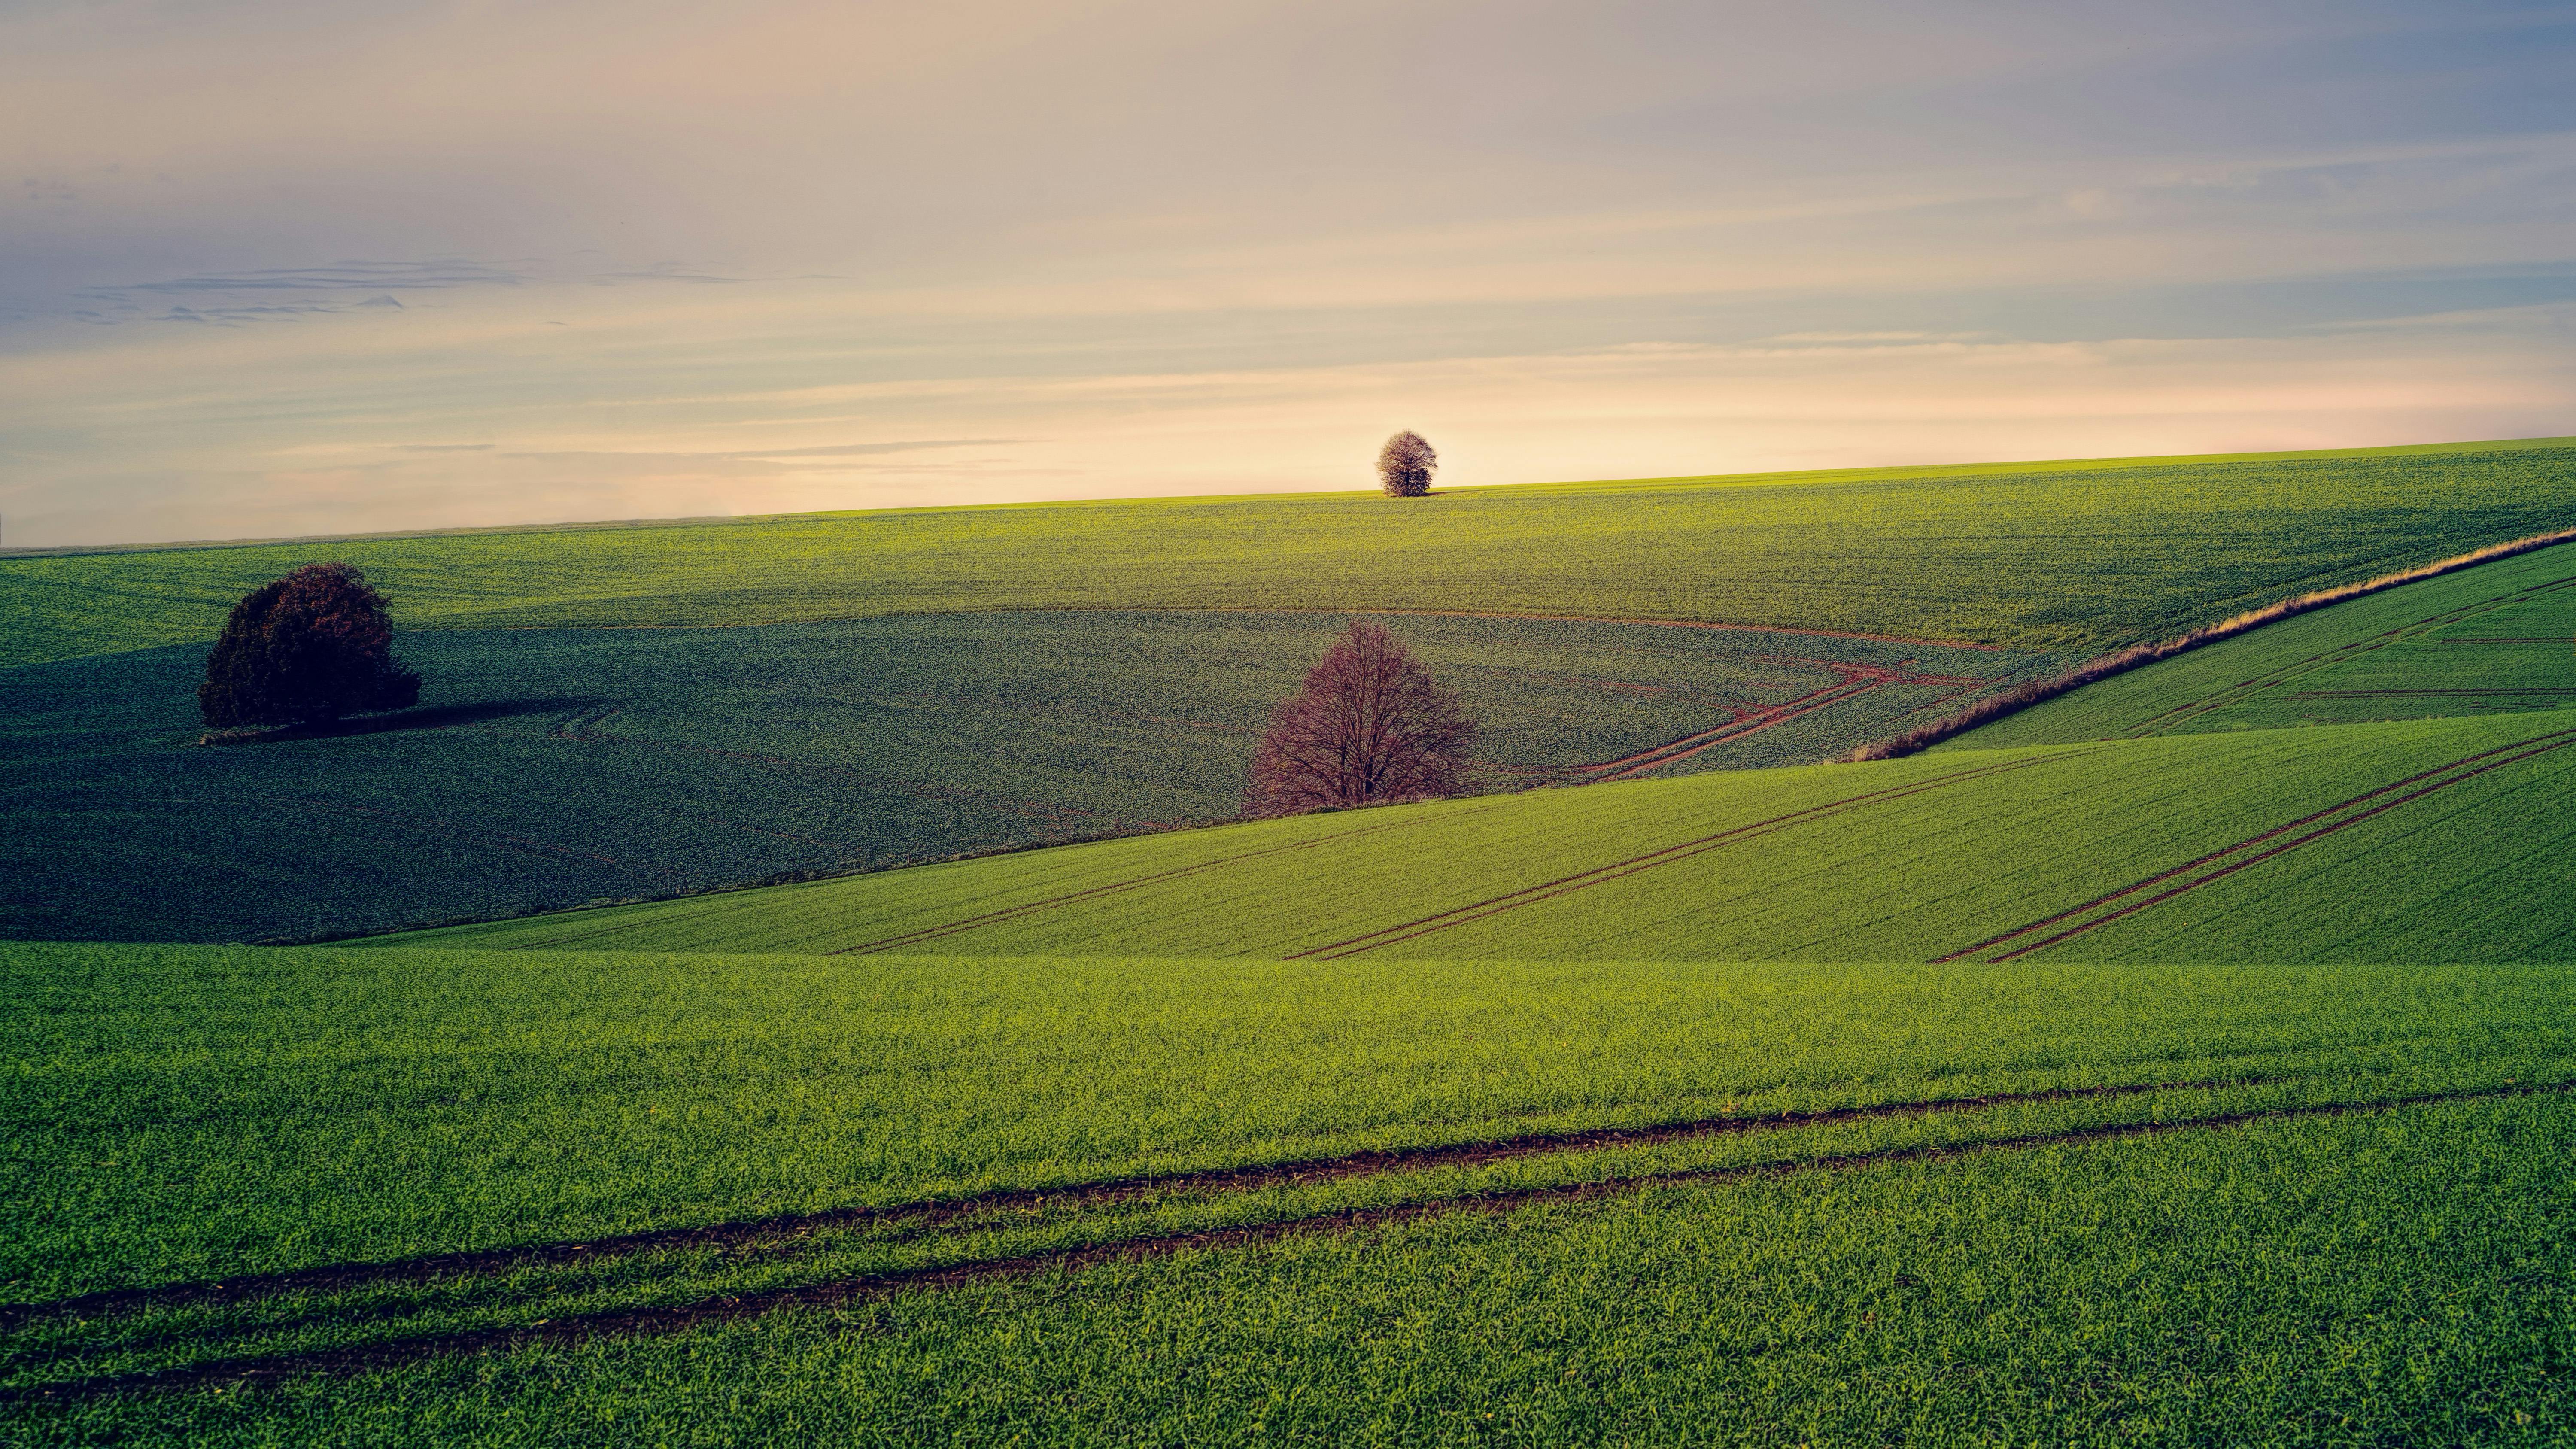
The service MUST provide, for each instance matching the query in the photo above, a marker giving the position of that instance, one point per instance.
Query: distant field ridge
(2012, 701)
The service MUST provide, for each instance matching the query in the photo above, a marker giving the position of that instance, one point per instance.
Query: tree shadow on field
(445, 716)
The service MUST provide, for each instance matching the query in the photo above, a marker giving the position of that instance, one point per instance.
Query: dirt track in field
(630, 1322)
(1636, 864)
(1010, 913)
(2441, 776)
(1852, 681)
(2515, 691)
(2238, 693)
(332, 1278)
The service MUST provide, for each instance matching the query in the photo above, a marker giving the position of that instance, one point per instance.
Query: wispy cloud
(344, 277)
(233, 298)
(657, 257)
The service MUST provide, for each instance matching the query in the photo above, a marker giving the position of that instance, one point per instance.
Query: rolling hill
(2425, 840)
(2187, 1059)
(647, 712)
(2500, 637)
(567, 766)
(2060, 556)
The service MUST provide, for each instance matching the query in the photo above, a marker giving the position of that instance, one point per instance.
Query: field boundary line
(1617, 869)
(951, 928)
(2013, 701)
(1842, 691)
(1708, 624)
(1648, 758)
(1366, 1162)
(1853, 680)
(2531, 748)
(637, 1322)
(2426, 693)
(1728, 735)
(2340, 654)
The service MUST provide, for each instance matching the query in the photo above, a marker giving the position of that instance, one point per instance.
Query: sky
(286, 267)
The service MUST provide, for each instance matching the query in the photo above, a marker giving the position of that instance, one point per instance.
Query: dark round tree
(1404, 465)
(1369, 727)
(308, 648)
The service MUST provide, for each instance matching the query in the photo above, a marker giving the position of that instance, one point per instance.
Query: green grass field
(2423, 840)
(2073, 556)
(1992, 1173)
(2498, 637)
(2190, 1060)
(2388, 1279)
(555, 767)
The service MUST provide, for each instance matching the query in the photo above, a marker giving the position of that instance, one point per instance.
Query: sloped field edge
(2013, 701)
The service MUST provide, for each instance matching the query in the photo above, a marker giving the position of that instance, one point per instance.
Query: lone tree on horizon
(305, 649)
(1369, 727)
(1405, 464)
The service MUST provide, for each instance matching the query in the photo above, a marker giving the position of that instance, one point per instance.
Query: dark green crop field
(418, 1196)
(2491, 639)
(2420, 840)
(554, 767)
(2072, 556)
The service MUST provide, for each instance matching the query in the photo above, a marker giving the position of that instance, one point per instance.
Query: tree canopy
(1405, 464)
(307, 648)
(1368, 726)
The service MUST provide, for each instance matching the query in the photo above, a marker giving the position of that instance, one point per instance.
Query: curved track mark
(2456, 772)
(1009, 913)
(2236, 694)
(402, 1352)
(340, 1277)
(1614, 870)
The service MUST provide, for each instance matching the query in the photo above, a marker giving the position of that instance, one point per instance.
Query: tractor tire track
(677, 1318)
(1012, 913)
(1632, 865)
(1853, 681)
(2442, 776)
(1753, 722)
(2516, 692)
(2236, 694)
(341, 1277)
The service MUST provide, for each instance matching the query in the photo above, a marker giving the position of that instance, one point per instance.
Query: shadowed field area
(2420, 840)
(553, 767)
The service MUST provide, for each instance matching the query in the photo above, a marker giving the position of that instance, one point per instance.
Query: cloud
(859, 449)
(693, 255)
(211, 465)
(232, 298)
(345, 276)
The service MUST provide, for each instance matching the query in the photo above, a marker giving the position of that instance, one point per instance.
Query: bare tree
(1404, 465)
(1368, 727)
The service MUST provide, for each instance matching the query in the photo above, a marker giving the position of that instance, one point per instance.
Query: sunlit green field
(2495, 638)
(2055, 556)
(1942, 1188)
(2396, 1278)
(2420, 840)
